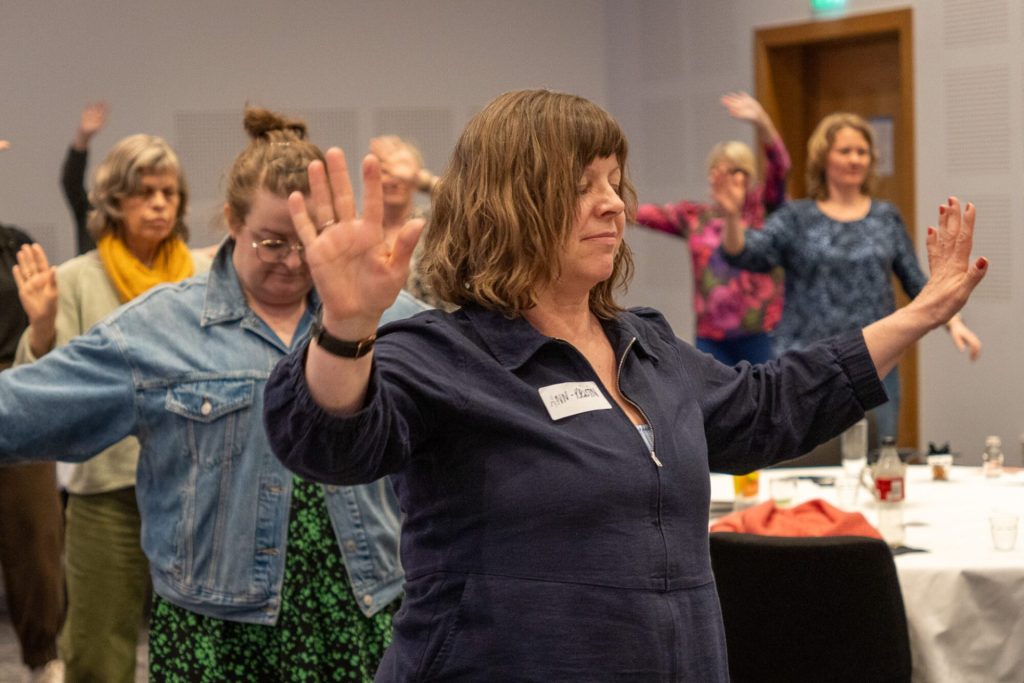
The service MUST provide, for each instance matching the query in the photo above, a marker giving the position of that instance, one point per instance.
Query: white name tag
(572, 398)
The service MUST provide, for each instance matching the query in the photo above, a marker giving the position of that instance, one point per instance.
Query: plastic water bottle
(889, 475)
(992, 460)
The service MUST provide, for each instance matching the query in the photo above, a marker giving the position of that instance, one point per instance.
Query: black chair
(821, 609)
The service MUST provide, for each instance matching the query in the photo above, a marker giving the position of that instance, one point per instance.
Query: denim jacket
(183, 367)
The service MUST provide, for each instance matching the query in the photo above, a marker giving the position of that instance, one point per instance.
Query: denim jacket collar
(513, 342)
(225, 301)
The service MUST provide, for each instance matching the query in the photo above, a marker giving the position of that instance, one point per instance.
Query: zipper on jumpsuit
(654, 457)
(618, 385)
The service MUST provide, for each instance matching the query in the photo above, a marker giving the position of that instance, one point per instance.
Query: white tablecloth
(964, 600)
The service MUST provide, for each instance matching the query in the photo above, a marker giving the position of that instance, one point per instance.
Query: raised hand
(743, 107)
(384, 146)
(395, 158)
(358, 272)
(93, 118)
(4, 145)
(728, 190)
(953, 275)
(37, 289)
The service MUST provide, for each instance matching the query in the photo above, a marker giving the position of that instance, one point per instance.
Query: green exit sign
(828, 5)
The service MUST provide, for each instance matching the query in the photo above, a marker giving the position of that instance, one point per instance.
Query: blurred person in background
(31, 515)
(258, 575)
(139, 201)
(839, 249)
(403, 175)
(735, 308)
(72, 175)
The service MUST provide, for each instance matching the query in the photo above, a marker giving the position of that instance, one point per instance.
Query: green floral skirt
(320, 634)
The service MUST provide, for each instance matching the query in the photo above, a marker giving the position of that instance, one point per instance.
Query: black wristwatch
(340, 347)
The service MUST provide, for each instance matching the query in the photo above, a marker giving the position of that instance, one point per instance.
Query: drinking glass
(783, 490)
(1004, 530)
(853, 444)
(846, 491)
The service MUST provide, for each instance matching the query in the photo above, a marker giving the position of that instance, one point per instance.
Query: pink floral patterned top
(729, 302)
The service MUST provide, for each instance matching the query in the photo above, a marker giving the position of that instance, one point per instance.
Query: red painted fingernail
(931, 230)
(982, 263)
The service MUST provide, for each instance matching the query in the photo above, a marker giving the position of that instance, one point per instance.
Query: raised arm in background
(72, 176)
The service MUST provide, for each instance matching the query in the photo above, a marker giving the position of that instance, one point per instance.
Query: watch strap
(341, 347)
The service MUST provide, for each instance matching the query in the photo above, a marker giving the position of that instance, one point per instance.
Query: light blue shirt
(183, 367)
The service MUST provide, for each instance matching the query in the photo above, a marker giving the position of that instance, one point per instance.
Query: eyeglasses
(275, 251)
(729, 170)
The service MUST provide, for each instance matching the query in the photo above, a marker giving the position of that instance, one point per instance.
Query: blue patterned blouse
(837, 273)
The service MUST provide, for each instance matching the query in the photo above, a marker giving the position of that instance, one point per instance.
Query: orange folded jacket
(812, 518)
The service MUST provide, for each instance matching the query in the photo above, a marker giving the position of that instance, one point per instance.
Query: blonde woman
(839, 248)
(735, 308)
(403, 174)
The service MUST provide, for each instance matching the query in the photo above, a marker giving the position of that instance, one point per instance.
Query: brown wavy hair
(120, 177)
(275, 160)
(504, 207)
(820, 144)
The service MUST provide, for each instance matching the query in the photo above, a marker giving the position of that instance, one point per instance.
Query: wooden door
(862, 64)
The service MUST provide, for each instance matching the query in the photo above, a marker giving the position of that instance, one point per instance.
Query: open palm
(37, 285)
(357, 269)
(953, 274)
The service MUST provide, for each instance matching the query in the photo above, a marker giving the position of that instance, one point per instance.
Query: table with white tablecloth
(964, 599)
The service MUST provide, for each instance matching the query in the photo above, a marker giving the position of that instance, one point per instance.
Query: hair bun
(261, 123)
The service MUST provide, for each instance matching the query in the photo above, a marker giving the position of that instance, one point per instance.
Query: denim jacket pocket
(216, 534)
(215, 414)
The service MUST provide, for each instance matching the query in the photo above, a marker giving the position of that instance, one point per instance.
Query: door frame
(779, 67)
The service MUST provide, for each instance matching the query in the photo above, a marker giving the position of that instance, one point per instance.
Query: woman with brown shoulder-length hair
(550, 449)
(495, 252)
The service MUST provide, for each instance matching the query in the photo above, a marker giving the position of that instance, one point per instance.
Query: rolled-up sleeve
(756, 415)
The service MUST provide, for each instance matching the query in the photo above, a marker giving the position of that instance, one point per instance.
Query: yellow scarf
(131, 277)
